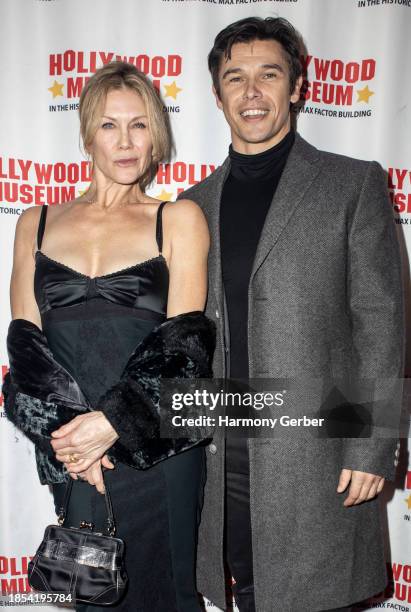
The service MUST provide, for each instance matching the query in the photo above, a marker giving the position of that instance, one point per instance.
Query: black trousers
(238, 542)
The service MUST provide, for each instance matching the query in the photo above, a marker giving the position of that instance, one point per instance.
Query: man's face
(255, 95)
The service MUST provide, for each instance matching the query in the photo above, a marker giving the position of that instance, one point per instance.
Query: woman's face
(122, 146)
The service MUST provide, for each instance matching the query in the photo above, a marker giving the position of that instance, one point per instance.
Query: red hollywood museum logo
(399, 586)
(402, 582)
(399, 185)
(336, 82)
(72, 69)
(25, 181)
(181, 173)
(13, 575)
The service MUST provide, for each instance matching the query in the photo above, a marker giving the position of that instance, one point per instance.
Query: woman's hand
(81, 442)
(94, 474)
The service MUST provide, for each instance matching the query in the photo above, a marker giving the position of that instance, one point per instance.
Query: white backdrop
(357, 104)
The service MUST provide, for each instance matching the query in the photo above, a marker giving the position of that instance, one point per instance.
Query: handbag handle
(110, 523)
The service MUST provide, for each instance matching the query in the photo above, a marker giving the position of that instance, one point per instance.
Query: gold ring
(73, 458)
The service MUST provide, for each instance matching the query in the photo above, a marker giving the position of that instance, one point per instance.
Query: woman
(100, 275)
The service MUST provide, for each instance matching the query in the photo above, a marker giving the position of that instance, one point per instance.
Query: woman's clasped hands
(81, 445)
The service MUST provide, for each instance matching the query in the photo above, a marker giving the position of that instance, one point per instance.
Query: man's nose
(251, 90)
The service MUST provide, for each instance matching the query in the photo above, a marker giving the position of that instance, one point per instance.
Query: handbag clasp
(86, 525)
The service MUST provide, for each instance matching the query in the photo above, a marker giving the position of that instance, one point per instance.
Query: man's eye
(107, 125)
(270, 75)
(235, 79)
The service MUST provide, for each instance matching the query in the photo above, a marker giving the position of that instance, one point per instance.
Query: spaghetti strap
(42, 225)
(159, 227)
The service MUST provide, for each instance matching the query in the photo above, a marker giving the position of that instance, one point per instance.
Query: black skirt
(157, 512)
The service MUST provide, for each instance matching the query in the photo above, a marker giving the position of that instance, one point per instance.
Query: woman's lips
(123, 163)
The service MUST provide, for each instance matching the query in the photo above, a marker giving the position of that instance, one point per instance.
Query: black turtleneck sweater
(246, 198)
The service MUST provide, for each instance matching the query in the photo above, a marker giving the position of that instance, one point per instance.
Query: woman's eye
(108, 124)
(139, 125)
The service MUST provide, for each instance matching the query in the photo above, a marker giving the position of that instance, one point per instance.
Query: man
(304, 281)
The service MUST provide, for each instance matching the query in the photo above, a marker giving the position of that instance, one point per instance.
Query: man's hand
(363, 486)
(85, 439)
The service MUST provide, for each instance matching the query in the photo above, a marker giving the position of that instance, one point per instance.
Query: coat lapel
(212, 210)
(299, 173)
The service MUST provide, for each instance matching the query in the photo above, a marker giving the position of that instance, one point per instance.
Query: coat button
(217, 314)
(212, 449)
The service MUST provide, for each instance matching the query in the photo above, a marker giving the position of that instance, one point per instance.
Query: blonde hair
(120, 75)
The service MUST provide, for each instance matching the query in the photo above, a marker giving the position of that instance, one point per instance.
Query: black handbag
(84, 565)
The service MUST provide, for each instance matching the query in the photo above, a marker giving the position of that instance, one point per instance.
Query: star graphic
(57, 89)
(408, 501)
(364, 94)
(172, 90)
(165, 196)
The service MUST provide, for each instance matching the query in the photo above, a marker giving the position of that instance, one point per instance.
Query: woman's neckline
(159, 257)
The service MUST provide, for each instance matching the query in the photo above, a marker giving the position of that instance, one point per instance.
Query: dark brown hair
(257, 28)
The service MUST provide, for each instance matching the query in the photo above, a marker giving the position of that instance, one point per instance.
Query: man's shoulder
(344, 176)
(337, 160)
(332, 162)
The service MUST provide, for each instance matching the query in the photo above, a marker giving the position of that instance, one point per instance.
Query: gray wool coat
(324, 296)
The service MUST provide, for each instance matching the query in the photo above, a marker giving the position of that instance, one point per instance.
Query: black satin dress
(92, 325)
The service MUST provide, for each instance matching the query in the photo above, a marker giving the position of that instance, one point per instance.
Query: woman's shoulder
(184, 212)
(31, 215)
(29, 220)
(187, 226)
(26, 229)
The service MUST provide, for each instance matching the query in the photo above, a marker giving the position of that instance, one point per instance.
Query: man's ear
(295, 96)
(217, 98)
